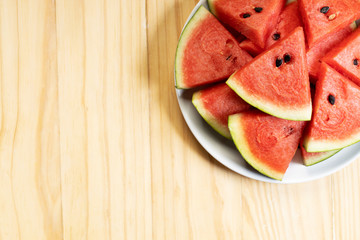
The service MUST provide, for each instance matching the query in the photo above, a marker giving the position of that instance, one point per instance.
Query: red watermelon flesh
(336, 118)
(267, 143)
(250, 47)
(318, 51)
(321, 18)
(216, 103)
(345, 58)
(288, 20)
(279, 90)
(253, 18)
(206, 52)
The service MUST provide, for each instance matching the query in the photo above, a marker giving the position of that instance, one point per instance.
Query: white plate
(226, 153)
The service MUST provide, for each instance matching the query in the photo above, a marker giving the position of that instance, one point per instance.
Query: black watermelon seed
(246, 15)
(287, 58)
(356, 62)
(331, 99)
(228, 57)
(258, 9)
(276, 36)
(278, 62)
(325, 9)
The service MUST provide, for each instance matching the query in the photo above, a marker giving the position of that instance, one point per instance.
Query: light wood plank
(103, 92)
(297, 211)
(73, 149)
(346, 202)
(9, 78)
(30, 163)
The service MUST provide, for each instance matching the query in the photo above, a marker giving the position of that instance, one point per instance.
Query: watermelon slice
(318, 51)
(346, 57)
(250, 47)
(277, 81)
(321, 18)
(336, 118)
(316, 157)
(253, 18)
(288, 20)
(216, 103)
(206, 52)
(267, 143)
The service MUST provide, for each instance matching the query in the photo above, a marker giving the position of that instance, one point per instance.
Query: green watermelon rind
(295, 114)
(208, 117)
(200, 14)
(319, 158)
(212, 6)
(312, 145)
(238, 136)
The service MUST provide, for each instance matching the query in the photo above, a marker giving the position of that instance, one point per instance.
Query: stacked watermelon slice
(264, 104)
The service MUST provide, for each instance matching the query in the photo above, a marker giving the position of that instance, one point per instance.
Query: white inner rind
(313, 145)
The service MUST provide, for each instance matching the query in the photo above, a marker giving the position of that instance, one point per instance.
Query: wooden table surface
(93, 144)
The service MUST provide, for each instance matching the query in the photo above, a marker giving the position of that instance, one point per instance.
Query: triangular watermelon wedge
(288, 20)
(206, 52)
(277, 81)
(215, 104)
(321, 18)
(319, 50)
(267, 143)
(336, 118)
(345, 58)
(253, 18)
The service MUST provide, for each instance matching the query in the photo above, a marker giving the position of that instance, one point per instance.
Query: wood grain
(345, 206)
(288, 211)
(93, 144)
(104, 115)
(30, 162)
(9, 66)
